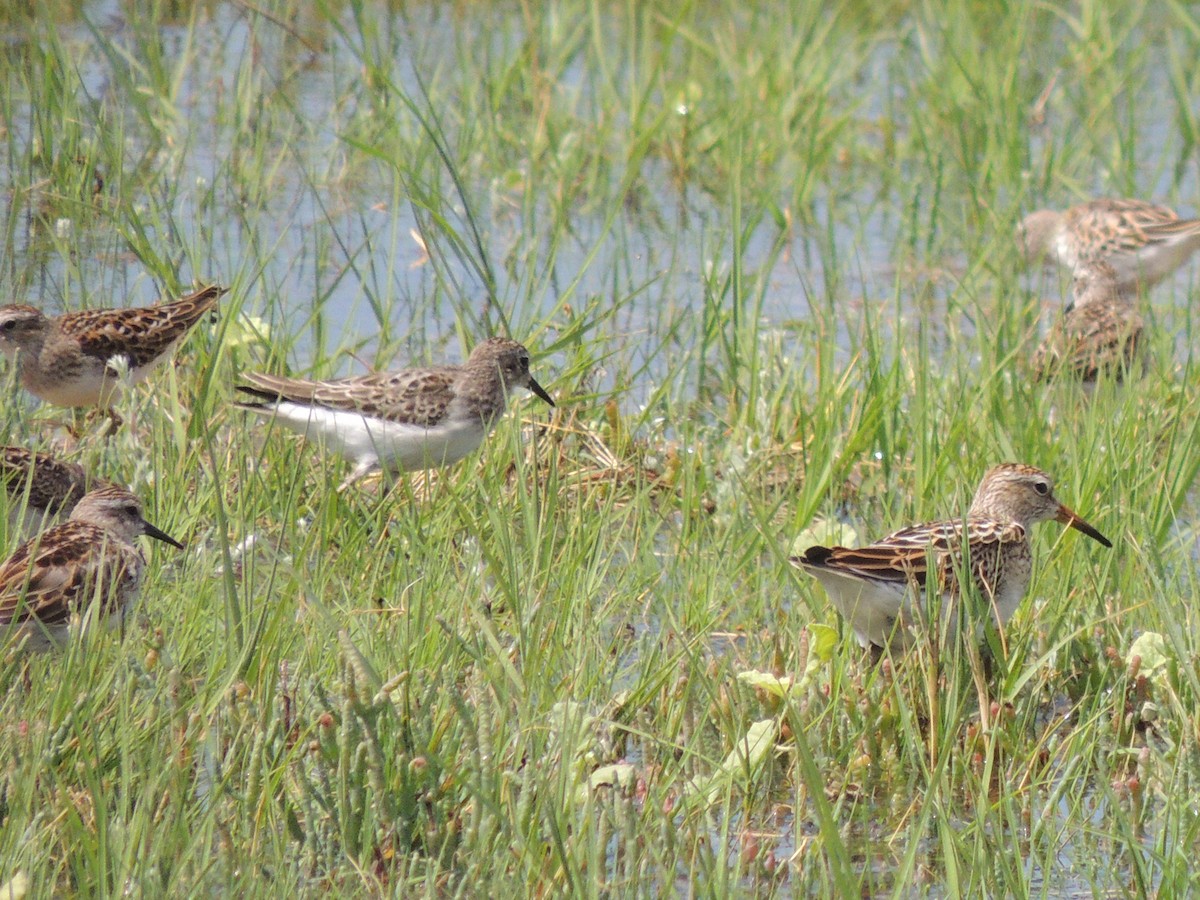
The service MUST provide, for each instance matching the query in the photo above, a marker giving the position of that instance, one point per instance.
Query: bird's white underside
(37, 637)
(872, 607)
(391, 445)
(97, 386)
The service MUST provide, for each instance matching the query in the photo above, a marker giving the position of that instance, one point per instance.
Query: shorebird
(41, 487)
(85, 572)
(1143, 242)
(1099, 335)
(877, 588)
(399, 421)
(80, 359)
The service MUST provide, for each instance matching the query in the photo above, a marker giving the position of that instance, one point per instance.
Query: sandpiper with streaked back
(1098, 336)
(399, 421)
(80, 359)
(1143, 242)
(877, 588)
(41, 487)
(83, 573)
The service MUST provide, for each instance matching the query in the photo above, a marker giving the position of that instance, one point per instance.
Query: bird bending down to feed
(1098, 336)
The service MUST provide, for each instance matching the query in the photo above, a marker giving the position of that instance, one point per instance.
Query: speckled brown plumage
(77, 359)
(51, 580)
(141, 334)
(874, 587)
(1100, 335)
(57, 584)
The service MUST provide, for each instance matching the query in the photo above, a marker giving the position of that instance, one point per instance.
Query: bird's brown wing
(107, 333)
(904, 556)
(411, 396)
(1111, 226)
(50, 576)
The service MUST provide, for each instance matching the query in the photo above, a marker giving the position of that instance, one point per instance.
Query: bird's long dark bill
(159, 535)
(539, 391)
(1071, 520)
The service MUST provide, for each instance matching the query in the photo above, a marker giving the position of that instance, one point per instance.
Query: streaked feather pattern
(1144, 242)
(79, 359)
(904, 555)
(88, 564)
(1099, 335)
(875, 587)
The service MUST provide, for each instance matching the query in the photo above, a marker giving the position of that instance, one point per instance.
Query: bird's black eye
(8, 325)
(1042, 487)
(131, 509)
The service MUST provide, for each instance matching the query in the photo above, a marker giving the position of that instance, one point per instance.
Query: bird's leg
(115, 421)
(364, 468)
(70, 426)
(875, 653)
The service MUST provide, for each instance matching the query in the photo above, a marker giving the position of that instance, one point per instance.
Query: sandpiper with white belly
(400, 421)
(876, 588)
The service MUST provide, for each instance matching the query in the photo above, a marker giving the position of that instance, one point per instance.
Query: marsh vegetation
(763, 255)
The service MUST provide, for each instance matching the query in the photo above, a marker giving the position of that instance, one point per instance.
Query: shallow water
(346, 247)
